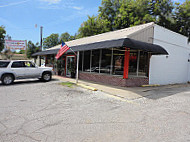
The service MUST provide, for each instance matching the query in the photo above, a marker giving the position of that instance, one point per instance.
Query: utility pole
(41, 48)
(41, 28)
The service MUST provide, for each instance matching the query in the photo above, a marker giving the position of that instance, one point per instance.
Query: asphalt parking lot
(33, 111)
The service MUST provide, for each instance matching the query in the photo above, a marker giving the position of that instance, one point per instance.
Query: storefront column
(111, 67)
(138, 59)
(77, 71)
(90, 60)
(100, 59)
(126, 63)
(82, 61)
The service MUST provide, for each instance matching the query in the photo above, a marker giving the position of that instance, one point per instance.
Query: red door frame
(126, 63)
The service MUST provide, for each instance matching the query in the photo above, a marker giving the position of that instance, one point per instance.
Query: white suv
(12, 70)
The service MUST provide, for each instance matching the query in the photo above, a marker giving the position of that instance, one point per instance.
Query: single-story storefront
(135, 56)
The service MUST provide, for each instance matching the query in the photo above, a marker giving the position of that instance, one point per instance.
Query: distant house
(143, 54)
(14, 57)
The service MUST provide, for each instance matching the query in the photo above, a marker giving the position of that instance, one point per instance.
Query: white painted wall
(175, 67)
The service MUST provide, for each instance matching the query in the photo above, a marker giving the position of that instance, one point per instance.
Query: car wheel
(7, 79)
(46, 76)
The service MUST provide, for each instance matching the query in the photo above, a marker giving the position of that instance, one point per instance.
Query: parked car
(13, 70)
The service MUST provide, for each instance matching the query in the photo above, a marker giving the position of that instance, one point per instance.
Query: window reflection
(111, 61)
(106, 61)
(133, 62)
(86, 64)
(81, 60)
(95, 61)
(118, 61)
(143, 64)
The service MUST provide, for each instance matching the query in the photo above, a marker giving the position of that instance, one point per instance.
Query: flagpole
(73, 51)
(77, 72)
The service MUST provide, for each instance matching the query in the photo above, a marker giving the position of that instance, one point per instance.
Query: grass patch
(68, 84)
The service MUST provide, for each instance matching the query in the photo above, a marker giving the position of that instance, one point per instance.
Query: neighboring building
(144, 54)
(14, 57)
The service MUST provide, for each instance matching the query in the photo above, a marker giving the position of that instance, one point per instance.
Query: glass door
(70, 64)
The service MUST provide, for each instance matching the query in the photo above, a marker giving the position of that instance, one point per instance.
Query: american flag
(63, 49)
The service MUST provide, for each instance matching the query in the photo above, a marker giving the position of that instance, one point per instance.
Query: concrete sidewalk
(130, 93)
(127, 93)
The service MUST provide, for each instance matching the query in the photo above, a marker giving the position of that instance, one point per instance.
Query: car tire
(7, 79)
(46, 76)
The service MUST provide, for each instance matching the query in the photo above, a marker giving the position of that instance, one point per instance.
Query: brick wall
(113, 80)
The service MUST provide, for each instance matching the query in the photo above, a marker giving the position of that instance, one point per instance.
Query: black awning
(148, 47)
(126, 42)
(46, 52)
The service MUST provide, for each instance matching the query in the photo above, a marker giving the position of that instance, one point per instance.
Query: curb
(87, 87)
(153, 85)
(78, 84)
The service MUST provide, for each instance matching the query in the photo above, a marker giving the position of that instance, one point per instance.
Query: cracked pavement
(33, 111)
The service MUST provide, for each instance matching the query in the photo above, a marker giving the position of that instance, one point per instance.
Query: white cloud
(15, 3)
(59, 4)
(77, 7)
(51, 1)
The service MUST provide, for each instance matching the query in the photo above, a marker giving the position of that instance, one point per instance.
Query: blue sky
(56, 16)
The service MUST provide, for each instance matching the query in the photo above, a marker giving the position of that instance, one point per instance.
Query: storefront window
(133, 62)
(111, 61)
(86, 64)
(143, 64)
(81, 60)
(61, 66)
(95, 61)
(49, 60)
(106, 61)
(118, 61)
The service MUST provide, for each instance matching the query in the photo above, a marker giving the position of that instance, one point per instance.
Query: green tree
(72, 37)
(119, 14)
(133, 13)
(93, 26)
(32, 49)
(162, 11)
(2, 36)
(51, 41)
(66, 37)
(21, 52)
(108, 10)
(182, 18)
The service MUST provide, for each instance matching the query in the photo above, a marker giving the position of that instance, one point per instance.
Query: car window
(18, 64)
(29, 64)
(4, 64)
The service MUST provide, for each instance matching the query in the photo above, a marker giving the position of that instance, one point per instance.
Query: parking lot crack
(30, 137)
(3, 125)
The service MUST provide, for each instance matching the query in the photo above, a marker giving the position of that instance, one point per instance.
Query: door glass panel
(70, 65)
